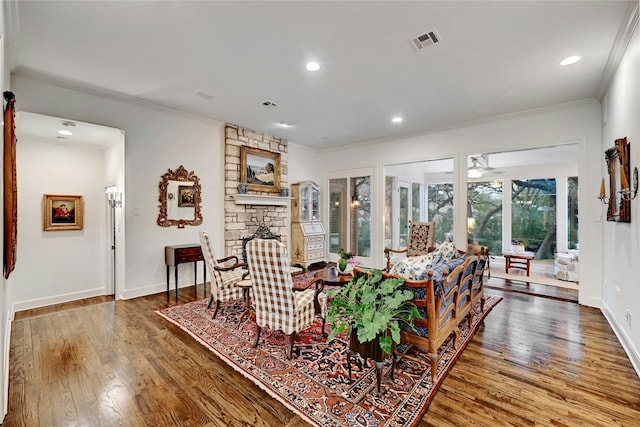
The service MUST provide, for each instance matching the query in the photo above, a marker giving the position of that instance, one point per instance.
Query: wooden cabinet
(306, 202)
(308, 237)
(178, 254)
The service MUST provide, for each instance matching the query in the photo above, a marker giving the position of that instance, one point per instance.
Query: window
(484, 214)
(533, 215)
(572, 212)
(440, 208)
(350, 215)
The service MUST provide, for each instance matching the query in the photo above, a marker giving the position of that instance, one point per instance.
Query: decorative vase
(243, 188)
(348, 269)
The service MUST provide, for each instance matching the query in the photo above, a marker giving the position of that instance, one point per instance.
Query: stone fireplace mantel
(261, 200)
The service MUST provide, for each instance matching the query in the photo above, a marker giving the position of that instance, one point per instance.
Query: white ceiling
(494, 58)
(46, 128)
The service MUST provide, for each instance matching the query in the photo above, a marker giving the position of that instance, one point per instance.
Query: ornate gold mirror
(617, 157)
(179, 199)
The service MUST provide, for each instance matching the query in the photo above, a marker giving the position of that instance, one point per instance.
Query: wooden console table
(521, 260)
(178, 254)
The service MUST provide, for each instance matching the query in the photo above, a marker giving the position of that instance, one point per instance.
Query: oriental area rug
(314, 383)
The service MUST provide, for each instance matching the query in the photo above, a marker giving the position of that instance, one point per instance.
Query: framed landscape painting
(62, 212)
(260, 169)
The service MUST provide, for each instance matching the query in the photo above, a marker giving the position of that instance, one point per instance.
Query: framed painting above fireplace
(260, 169)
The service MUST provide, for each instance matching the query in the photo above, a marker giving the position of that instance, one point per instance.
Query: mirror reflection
(179, 196)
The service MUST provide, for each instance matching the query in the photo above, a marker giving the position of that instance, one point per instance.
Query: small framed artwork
(62, 212)
(186, 196)
(260, 169)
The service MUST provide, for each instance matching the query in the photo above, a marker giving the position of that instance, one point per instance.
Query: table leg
(528, 265)
(176, 278)
(506, 264)
(204, 272)
(195, 275)
(167, 280)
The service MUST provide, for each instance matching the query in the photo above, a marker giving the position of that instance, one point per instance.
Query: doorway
(61, 156)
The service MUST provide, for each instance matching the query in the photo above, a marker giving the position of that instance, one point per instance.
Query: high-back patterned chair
(275, 302)
(477, 288)
(224, 274)
(419, 242)
(463, 299)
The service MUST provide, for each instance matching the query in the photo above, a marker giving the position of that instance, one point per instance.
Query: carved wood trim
(10, 186)
(180, 174)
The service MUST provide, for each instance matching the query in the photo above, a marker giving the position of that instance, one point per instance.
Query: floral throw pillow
(447, 250)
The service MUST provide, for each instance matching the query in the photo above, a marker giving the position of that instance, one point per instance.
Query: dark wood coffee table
(331, 277)
(521, 260)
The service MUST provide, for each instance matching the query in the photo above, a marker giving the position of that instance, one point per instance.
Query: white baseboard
(153, 289)
(7, 348)
(627, 345)
(55, 299)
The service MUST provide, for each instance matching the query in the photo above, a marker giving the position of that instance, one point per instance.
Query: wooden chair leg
(289, 352)
(433, 357)
(255, 343)
(456, 338)
(215, 311)
(210, 302)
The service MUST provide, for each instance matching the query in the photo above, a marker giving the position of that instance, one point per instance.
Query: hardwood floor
(537, 361)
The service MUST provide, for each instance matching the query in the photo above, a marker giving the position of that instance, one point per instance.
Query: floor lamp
(115, 199)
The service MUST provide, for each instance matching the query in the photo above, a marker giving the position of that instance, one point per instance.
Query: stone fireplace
(242, 220)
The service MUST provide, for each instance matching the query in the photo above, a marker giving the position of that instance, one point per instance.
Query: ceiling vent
(204, 95)
(427, 39)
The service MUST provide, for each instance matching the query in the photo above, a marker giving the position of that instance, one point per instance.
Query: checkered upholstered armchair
(225, 273)
(275, 302)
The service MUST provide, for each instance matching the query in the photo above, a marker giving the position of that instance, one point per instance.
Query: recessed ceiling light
(397, 119)
(65, 132)
(313, 66)
(284, 125)
(570, 60)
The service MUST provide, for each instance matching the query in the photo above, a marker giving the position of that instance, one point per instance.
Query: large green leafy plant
(373, 306)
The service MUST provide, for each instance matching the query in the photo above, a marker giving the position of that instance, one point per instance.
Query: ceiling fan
(479, 165)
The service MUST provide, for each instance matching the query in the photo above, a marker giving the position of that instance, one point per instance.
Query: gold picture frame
(62, 212)
(260, 169)
(186, 196)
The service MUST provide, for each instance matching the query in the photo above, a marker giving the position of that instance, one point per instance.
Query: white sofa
(566, 266)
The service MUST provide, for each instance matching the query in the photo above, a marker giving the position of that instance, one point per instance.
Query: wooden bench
(521, 260)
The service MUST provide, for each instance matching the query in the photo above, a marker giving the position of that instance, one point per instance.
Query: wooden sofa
(445, 297)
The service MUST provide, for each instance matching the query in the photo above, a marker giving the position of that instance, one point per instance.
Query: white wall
(621, 241)
(58, 266)
(579, 123)
(155, 141)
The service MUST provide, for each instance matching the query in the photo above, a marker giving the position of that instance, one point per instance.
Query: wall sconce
(625, 190)
(113, 196)
(355, 202)
(603, 197)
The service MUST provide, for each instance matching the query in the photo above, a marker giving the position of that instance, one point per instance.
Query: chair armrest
(232, 257)
(319, 287)
(317, 281)
(231, 267)
(388, 251)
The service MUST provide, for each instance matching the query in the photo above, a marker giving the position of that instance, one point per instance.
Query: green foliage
(371, 305)
(344, 256)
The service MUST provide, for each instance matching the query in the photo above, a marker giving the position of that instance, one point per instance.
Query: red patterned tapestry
(315, 383)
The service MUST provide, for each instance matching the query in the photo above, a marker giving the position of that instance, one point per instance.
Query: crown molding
(28, 73)
(625, 33)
